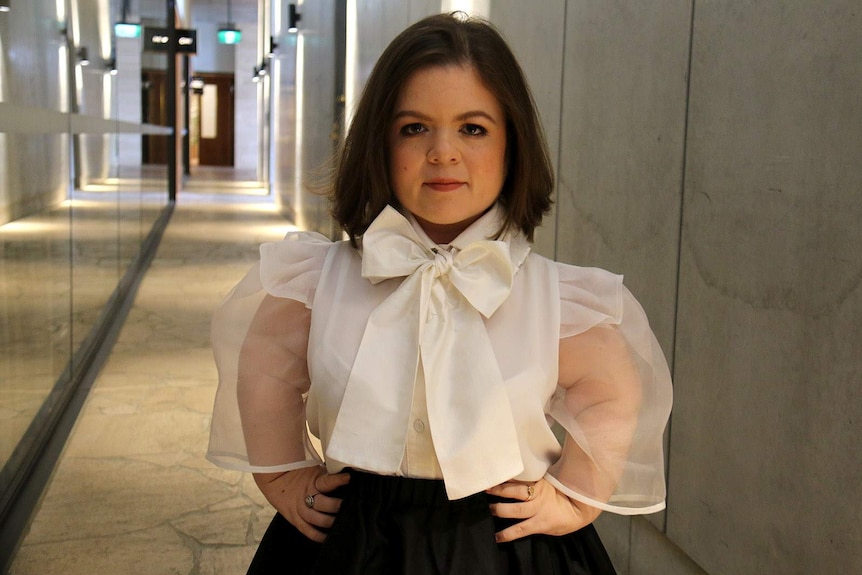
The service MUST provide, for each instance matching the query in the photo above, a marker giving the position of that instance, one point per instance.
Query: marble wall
(37, 46)
(764, 448)
(129, 103)
(538, 43)
(710, 153)
(314, 78)
(248, 117)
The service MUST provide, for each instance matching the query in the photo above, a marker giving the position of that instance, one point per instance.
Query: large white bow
(432, 321)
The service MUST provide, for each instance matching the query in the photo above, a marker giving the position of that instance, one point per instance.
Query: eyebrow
(459, 117)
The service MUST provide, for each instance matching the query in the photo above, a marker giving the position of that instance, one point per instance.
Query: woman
(430, 351)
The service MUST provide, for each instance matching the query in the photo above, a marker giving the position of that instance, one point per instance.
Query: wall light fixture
(293, 18)
(260, 71)
(273, 46)
(83, 57)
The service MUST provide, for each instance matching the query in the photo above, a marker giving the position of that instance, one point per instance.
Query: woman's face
(447, 149)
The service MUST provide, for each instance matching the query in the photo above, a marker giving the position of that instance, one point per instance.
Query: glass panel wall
(77, 207)
(35, 299)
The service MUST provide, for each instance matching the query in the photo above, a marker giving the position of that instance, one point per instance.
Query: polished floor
(132, 492)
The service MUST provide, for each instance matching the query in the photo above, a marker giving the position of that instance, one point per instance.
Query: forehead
(446, 88)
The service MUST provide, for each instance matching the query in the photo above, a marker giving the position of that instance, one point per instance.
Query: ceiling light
(229, 33)
(127, 30)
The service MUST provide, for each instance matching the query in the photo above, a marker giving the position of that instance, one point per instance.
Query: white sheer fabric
(622, 447)
(613, 455)
(280, 287)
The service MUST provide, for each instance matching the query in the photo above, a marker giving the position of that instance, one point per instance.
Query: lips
(443, 184)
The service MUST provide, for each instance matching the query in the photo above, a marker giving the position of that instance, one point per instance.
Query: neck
(445, 233)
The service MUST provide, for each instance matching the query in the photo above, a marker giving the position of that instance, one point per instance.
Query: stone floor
(132, 492)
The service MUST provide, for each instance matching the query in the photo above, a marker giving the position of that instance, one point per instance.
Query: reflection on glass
(60, 267)
(35, 297)
(76, 206)
(95, 261)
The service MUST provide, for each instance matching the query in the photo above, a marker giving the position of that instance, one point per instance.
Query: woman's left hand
(542, 508)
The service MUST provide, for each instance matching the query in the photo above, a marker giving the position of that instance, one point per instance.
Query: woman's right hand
(287, 492)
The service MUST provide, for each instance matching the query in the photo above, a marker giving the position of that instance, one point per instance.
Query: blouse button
(419, 426)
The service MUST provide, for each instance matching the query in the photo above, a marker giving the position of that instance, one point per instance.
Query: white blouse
(436, 362)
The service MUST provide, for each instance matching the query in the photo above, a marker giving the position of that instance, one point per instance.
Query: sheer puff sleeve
(613, 399)
(259, 336)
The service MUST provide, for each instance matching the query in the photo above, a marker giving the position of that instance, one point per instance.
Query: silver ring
(530, 492)
(309, 501)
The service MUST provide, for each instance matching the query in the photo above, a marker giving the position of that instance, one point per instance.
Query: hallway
(706, 151)
(132, 492)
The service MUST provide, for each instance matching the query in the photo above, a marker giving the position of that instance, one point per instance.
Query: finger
(310, 531)
(516, 531)
(326, 504)
(510, 491)
(318, 519)
(326, 483)
(512, 510)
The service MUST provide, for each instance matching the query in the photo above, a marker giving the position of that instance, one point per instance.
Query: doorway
(154, 111)
(211, 115)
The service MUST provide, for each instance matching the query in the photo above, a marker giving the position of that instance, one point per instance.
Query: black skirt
(398, 526)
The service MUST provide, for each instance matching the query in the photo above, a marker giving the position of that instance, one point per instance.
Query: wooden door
(214, 120)
(154, 111)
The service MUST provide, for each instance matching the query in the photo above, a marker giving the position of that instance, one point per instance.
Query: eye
(474, 130)
(411, 129)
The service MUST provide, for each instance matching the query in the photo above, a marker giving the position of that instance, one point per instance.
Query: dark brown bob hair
(362, 189)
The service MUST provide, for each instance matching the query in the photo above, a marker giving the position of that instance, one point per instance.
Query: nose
(443, 150)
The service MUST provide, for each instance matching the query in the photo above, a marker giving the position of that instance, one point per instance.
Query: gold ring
(530, 492)
(309, 501)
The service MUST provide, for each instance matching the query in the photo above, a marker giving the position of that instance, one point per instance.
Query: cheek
(402, 162)
(493, 164)
(399, 173)
(396, 159)
(397, 169)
